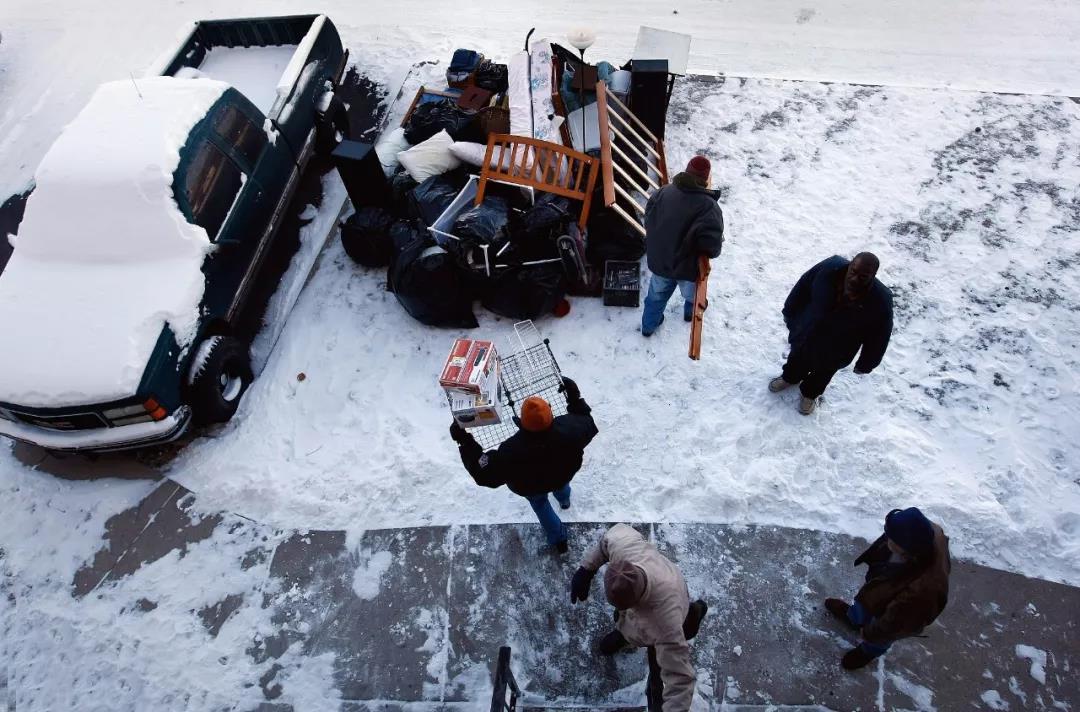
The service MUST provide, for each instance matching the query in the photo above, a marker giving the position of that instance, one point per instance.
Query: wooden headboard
(540, 165)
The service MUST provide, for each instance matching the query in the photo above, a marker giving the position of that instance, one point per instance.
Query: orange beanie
(536, 414)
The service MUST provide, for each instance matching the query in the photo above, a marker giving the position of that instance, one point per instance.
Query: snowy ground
(970, 199)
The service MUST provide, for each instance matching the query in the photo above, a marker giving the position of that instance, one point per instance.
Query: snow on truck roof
(104, 257)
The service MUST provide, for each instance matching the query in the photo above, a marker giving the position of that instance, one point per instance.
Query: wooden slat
(629, 180)
(538, 164)
(635, 134)
(622, 191)
(630, 219)
(630, 162)
(624, 107)
(697, 322)
(605, 141)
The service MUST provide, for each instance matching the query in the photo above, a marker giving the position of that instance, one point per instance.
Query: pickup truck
(147, 234)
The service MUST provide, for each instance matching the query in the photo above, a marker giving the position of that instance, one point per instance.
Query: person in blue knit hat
(906, 589)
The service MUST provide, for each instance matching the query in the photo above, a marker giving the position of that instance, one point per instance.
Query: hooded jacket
(534, 463)
(682, 221)
(657, 619)
(904, 602)
(832, 330)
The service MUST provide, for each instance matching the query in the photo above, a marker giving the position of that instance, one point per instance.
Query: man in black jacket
(835, 309)
(682, 222)
(539, 459)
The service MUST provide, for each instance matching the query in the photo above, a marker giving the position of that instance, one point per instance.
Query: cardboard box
(471, 369)
(472, 411)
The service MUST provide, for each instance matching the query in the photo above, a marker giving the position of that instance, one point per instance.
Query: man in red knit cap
(682, 222)
(539, 459)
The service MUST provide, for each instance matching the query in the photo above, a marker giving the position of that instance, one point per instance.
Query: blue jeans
(553, 526)
(859, 617)
(660, 291)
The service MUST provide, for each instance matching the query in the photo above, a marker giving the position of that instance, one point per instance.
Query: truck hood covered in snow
(104, 257)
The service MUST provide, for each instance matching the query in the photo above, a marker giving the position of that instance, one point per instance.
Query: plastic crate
(622, 283)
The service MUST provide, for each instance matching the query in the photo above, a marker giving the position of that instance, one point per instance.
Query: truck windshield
(211, 185)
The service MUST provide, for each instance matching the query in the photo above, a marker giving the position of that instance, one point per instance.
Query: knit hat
(624, 584)
(700, 168)
(911, 530)
(536, 414)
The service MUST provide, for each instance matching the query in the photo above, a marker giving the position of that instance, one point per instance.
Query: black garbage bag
(426, 281)
(612, 238)
(550, 217)
(492, 76)
(431, 118)
(485, 224)
(401, 187)
(433, 196)
(366, 237)
(402, 233)
(526, 292)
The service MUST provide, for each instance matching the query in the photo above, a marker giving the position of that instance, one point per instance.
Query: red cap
(700, 168)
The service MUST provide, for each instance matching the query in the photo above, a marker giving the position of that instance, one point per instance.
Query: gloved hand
(458, 433)
(571, 388)
(579, 584)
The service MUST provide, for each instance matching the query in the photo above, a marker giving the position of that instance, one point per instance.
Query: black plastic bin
(622, 283)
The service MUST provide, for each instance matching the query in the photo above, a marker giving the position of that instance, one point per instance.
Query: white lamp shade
(581, 37)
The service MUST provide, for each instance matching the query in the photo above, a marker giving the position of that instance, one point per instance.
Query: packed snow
(253, 71)
(968, 417)
(103, 222)
(970, 199)
(1038, 661)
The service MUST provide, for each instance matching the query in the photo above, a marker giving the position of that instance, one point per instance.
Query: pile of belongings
(515, 252)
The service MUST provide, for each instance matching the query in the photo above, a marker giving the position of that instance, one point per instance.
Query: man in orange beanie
(539, 459)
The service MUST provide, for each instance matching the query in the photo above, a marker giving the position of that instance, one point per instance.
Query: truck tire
(220, 374)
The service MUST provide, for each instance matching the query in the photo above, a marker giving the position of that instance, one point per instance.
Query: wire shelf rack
(530, 371)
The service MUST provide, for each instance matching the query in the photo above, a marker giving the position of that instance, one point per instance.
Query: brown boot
(839, 609)
(855, 659)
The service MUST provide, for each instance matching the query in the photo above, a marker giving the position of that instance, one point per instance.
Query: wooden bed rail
(540, 165)
(631, 159)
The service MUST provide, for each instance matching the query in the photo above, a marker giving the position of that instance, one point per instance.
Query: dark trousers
(654, 686)
(800, 368)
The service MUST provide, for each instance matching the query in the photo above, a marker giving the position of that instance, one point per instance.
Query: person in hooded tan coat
(653, 611)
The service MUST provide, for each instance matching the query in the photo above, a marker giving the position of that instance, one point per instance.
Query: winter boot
(563, 546)
(856, 658)
(807, 405)
(839, 609)
(650, 333)
(688, 310)
(779, 384)
(612, 643)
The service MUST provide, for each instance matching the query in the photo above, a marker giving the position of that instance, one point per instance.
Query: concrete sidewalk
(413, 618)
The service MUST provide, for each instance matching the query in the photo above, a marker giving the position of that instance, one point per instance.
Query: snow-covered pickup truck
(147, 234)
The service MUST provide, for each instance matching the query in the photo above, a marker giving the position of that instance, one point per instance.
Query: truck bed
(254, 71)
(261, 58)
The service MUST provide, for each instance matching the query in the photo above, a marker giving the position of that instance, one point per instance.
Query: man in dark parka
(906, 589)
(682, 222)
(837, 308)
(541, 458)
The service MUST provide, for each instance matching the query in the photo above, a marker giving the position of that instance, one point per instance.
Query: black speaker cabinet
(362, 174)
(649, 93)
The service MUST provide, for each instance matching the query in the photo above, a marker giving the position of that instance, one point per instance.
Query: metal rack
(530, 371)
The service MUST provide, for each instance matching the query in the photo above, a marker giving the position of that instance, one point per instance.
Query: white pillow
(430, 158)
(389, 146)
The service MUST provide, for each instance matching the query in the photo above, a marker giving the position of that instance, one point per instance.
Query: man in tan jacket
(653, 610)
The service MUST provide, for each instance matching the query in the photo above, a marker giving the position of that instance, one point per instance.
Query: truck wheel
(220, 374)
